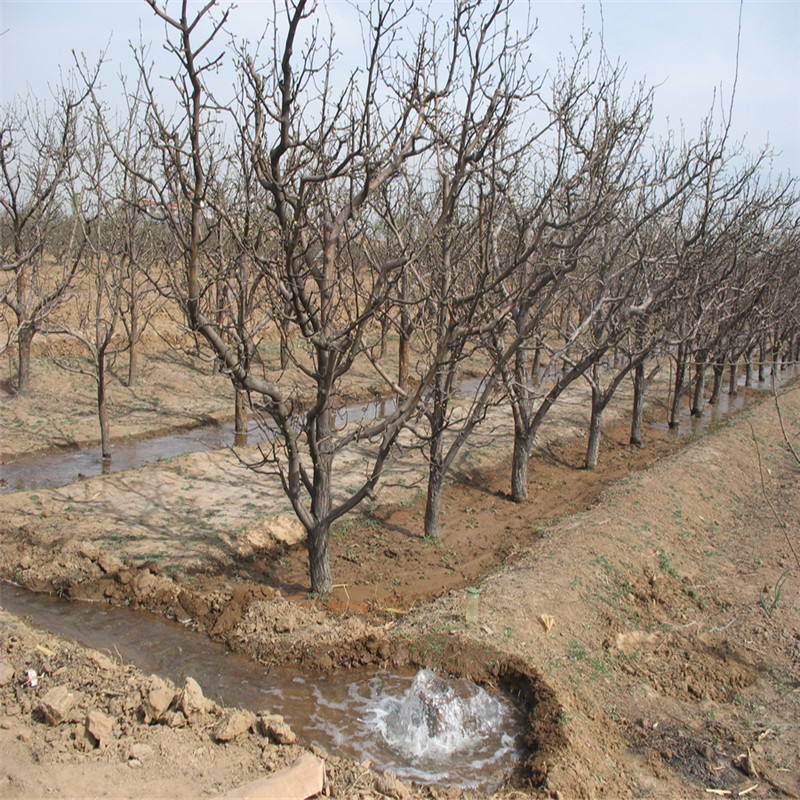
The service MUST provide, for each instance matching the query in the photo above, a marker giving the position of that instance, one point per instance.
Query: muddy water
(61, 468)
(727, 404)
(44, 471)
(355, 713)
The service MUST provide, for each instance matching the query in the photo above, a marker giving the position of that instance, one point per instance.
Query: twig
(718, 629)
(347, 594)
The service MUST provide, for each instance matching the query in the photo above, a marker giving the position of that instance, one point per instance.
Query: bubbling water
(448, 730)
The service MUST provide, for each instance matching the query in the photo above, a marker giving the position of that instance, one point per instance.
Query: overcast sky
(686, 49)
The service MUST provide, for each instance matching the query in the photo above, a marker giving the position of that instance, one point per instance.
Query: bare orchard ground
(672, 665)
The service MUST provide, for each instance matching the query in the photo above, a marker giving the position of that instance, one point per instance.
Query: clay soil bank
(649, 612)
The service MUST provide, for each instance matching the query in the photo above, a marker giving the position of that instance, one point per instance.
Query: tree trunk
(519, 466)
(716, 389)
(699, 384)
(133, 365)
(240, 417)
(761, 363)
(284, 330)
(638, 404)
(776, 352)
(133, 345)
(680, 374)
(102, 409)
(384, 336)
(748, 369)
(437, 418)
(595, 429)
(402, 359)
(319, 558)
(433, 501)
(537, 361)
(733, 383)
(24, 342)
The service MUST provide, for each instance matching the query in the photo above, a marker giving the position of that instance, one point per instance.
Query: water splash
(448, 730)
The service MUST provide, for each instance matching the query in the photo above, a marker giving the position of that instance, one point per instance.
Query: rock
(102, 661)
(125, 576)
(88, 550)
(263, 534)
(57, 704)
(304, 778)
(140, 752)
(110, 564)
(157, 697)
(389, 785)
(144, 581)
(194, 604)
(276, 727)
(233, 724)
(82, 740)
(100, 726)
(6, 674)
(193, 703)
(228, 619)
(285, 623)
(174, 719)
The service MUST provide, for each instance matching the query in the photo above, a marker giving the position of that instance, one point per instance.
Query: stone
(6, 674)
(88, 550)
(110, 564)
(304, 778)
(82, 740)
(144, 581)
(102, 661)
(263, 534)
(276, 727)
(174, 719)
(233, 724)
(285, 623)
(100, 726)
(140, 752)
(388, 784)
(57, 704)
(157, 697)
(192, 702)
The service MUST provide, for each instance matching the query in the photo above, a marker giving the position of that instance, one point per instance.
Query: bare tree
(324, 148)
(96, 305)
(41, 244)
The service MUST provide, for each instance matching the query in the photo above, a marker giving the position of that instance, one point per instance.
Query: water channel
(62, 467)
(420, 726)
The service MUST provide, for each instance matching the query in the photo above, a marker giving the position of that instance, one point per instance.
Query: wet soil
(648, 612)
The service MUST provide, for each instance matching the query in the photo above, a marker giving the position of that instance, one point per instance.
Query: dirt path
(671, 666)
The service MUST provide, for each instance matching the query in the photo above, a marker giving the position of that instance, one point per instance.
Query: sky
(686, 49)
